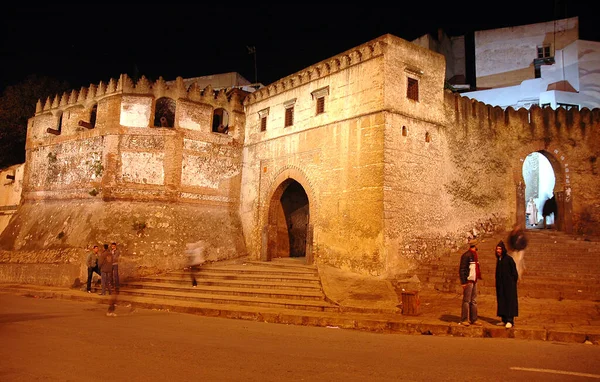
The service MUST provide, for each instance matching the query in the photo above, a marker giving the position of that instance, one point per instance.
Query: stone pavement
(373, 304)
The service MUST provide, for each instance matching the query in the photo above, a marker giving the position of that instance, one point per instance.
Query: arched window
(164, 114)
(404, 131)
(427, 137)
(220, 123)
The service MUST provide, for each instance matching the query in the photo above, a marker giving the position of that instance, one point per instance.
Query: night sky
(94, 43)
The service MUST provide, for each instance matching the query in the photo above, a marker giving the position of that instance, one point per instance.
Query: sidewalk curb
(382, 323)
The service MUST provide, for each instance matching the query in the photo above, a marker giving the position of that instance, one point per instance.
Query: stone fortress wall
(391, 178)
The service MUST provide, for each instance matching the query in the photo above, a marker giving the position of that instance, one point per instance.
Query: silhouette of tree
(17, 105)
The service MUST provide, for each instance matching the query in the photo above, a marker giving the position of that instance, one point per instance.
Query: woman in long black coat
(506, 286)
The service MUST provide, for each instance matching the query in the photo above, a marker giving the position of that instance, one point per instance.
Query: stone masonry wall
(336, 156)
(152, 237)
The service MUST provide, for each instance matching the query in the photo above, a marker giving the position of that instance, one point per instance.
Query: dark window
(568, 106)
(412, 91)
(263, 124)
(58, 129)
(538, 71)
(404, 132)
(320, 105)
(93, 114)
(289, 116)
(220, 121)
(427, 137)
(164, 115)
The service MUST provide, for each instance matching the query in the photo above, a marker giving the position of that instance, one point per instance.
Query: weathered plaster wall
(11, 186)
(504, 57)
(70, 164)
(588, 53)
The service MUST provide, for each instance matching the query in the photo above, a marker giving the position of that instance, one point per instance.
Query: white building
(537, 64)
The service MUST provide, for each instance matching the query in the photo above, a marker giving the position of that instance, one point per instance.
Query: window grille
(289, 116)
(412, 91)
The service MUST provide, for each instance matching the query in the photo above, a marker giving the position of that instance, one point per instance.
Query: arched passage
(539, 178)
(288, 229)
(537, 183)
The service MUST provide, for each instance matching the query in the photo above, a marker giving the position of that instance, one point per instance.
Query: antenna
(252, 50)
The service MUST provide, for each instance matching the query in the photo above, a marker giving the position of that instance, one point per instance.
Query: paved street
(59, 340)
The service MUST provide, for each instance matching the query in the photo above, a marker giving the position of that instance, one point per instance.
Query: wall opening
(220, 123)
(288, 222)
(540, 182)
(164, 114)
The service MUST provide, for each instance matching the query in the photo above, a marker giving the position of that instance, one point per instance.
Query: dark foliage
(17, 105)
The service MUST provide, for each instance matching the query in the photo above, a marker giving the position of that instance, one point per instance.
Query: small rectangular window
(289, 116)
(568, 106)
(263, 124)
(320, 105)
(412, 91)
(543, 51)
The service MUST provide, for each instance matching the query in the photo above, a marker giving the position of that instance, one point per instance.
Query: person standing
(92, 266)
(469, 272)
(532, 212)
(506, 287)
(116, 254)
(105, 264)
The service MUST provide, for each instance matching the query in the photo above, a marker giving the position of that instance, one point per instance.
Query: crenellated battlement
(539, 123)
(125, 85)
(321, 69)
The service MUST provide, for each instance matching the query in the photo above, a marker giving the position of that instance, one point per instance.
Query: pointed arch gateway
(543, 174)
(288, 230)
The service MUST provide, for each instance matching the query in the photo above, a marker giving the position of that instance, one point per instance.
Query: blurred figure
(549, 209)
(506, 287)
(111, 306)
(195, 252)
(115, 265)
(518, 241)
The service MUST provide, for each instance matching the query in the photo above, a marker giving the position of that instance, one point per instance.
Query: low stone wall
(47, 242)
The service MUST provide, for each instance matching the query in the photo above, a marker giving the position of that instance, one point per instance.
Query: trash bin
(410, 303)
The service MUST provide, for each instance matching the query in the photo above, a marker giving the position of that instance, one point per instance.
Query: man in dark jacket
(106, 269)
(506, 286)
(469, 272)
(92, 266)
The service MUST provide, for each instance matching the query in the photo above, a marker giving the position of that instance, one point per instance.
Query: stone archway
(288, 230)
(562, 191)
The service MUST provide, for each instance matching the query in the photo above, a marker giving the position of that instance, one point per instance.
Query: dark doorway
(294, 202)
(288, 232)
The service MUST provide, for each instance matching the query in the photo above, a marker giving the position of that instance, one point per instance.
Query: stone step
(257, 269)
(277, 293)
(245, 276)
(283, 303)
(244, 283)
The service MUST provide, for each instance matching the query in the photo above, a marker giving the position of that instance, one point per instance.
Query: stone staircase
(279, 284)
(557, 265)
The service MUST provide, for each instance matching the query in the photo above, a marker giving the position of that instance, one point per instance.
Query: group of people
(508, 269)
(106, 265)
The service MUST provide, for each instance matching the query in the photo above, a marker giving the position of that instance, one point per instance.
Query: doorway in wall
(288, 222)
(540, 182)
